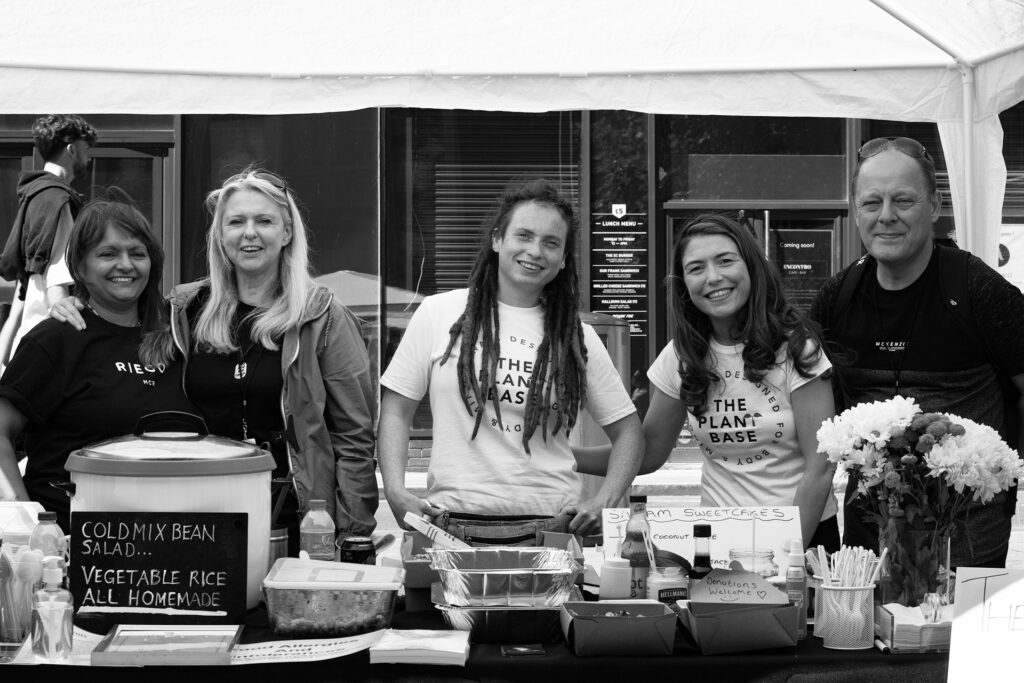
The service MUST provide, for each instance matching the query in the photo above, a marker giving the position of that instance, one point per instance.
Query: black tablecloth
(808, 661)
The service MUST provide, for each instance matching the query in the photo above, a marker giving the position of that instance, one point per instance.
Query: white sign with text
(732, 529)
(988, 625)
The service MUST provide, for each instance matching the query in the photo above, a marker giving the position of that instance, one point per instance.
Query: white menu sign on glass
(988, 625)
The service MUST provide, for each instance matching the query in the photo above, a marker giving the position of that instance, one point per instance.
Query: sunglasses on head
(266, 176)
(909, 146)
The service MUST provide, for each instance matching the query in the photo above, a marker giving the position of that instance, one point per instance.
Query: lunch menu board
(618, 270)
(160, 567)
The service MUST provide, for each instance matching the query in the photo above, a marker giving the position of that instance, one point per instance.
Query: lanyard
(898, 357)
(243, 373)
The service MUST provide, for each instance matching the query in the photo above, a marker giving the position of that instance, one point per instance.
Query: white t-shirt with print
(748, 434)
(492, 474)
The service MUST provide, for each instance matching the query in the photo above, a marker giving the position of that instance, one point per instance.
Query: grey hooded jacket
(328, 406)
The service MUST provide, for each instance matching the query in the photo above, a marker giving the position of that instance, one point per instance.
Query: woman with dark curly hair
(508, 366)
(749, 372)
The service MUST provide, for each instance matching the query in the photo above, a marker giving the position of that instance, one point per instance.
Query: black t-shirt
(77, 388)
(239, 393)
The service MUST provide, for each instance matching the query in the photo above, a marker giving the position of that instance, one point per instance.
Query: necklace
(244, 370)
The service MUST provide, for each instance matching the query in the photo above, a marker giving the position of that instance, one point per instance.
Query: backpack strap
(953, 287)
(847, 288)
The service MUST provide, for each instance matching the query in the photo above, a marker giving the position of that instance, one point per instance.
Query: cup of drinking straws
(844, 604)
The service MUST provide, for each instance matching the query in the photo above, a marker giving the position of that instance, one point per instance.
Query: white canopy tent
(955, 62)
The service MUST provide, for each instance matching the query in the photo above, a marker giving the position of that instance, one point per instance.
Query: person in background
(916, 319)
(47, 205)
(749, 372)
(274, 359)
(508, 366)
(66, 389)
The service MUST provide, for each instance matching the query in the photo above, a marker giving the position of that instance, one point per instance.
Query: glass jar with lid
(761, 561)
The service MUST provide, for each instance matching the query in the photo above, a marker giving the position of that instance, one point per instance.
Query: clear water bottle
(316, 532)
(48, 537)
(52, 612)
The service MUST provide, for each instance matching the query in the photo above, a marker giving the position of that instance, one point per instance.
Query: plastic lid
(47, 516)
(702, 531)
(616, 562)
(317, 504)
(293, 573)
(53, 577)
(174, 454)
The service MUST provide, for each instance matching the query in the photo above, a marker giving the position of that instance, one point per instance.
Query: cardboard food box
(734, 611)
(619, 628)
(416, 562)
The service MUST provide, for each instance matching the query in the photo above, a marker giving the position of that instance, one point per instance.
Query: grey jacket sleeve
(349, 413)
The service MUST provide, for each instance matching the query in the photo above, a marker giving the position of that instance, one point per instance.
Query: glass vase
(917, 564)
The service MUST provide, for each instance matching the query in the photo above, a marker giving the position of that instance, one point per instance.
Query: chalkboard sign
(160, 567)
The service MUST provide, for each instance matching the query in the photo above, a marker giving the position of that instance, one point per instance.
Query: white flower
(978, 460)
(858, 436)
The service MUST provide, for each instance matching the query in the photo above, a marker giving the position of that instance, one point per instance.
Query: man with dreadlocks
(508, 365)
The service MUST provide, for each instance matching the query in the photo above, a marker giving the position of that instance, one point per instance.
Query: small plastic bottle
(316, 532)
(796, 585)
(616, 575)
(52, 612)
(47, 536)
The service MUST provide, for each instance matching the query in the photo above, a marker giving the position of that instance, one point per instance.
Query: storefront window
(329, 160)
(729, 157)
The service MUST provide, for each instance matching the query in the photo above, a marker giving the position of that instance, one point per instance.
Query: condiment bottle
(616, 575)
(796, 585)
(316, 532)
(701, 552)
(634, 549)
(52, 611)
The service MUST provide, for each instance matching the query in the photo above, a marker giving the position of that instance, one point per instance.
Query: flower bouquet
(919, 472)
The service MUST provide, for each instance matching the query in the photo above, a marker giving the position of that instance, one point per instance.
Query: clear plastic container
(316, 599)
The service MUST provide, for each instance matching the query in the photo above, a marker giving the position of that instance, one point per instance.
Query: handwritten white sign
(988, 625)
(737, 529)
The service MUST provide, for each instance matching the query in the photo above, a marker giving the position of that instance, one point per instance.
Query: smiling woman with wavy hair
(746, 371)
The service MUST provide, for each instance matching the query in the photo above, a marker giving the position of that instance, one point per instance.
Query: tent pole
(967, 83)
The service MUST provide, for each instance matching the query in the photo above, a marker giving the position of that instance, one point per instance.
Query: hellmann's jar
(667, 584)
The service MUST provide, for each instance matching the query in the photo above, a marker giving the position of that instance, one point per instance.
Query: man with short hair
(47, 206)
(917, 319)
